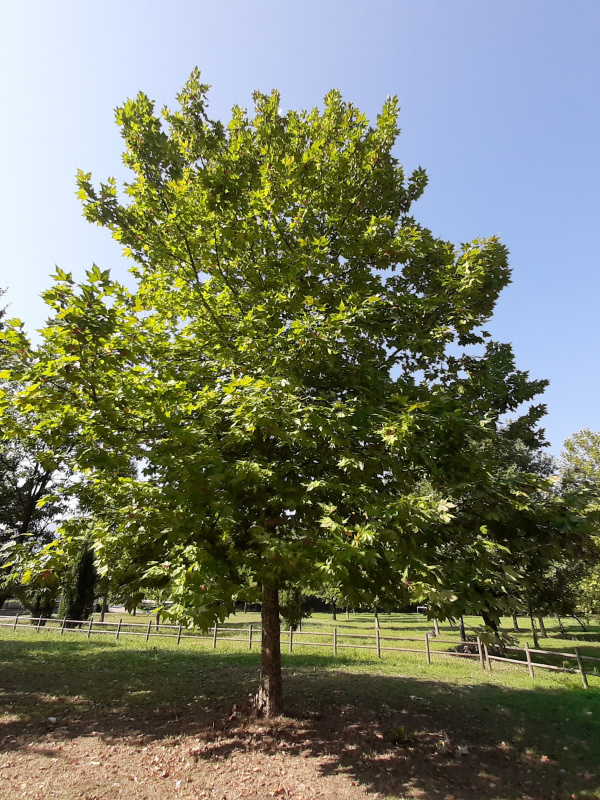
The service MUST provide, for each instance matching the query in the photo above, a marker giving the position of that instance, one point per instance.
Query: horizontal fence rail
(252, 636)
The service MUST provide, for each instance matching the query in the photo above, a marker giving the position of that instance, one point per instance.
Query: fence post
(215, 636)
(179, 635)
(291, 638)
(62, 627)
(480, 651)
(250, 637)
(529, 664)
(581, 669)
(89, 633)
(427, 653)
(16, 623)
(118, 629)
(335, 641)
(487, 657)
(148, 631)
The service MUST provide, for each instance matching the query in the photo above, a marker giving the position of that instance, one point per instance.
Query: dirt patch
(81, 722)
(226, 754)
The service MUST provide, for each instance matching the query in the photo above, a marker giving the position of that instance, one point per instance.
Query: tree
(26, 477)
(295, 376)
(28, 473)
(292, 607)
(580, 467)
(79, 584)
(514, 529)
(580, 458)
(588, 595)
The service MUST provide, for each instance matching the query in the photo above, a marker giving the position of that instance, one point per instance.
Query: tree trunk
(461, 628)
(269, 700)
(579, 621)
(543, 634)
(333, 611)
(560, 624)
(536, 642)
(104, 608)
(490, 622)
(515, 623)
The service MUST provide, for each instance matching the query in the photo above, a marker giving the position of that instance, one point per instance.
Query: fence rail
(252, 635)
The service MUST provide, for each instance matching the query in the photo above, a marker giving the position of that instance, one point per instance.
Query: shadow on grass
(537, 743)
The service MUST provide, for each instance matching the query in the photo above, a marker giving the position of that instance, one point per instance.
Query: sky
(499, 103)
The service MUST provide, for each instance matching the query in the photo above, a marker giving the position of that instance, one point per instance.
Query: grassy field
(99, 719)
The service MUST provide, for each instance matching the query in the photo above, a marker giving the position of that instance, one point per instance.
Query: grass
(538, 739)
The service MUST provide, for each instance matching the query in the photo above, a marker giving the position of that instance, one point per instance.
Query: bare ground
(339, 755)
(342, 738)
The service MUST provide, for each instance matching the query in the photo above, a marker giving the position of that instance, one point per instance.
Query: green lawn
(233, 636)
(547, 729)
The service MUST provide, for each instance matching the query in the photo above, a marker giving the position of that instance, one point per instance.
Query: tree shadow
(391, 735)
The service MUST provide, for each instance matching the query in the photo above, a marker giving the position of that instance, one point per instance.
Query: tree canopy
(299, 390)
(580, 458)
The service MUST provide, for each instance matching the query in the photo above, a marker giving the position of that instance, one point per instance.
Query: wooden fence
(334, 641)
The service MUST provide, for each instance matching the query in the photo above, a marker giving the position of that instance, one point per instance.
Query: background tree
(297, 373)
(78, 585)
(510, 520)
(580, 458)
(28, 473)
(580, 467)
(26, 477)
(293, 607)
(588, 595)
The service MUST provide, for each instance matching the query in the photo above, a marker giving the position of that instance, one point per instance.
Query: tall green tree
(580, 467)
(79, 585)
(296, 374)
(580, 458)
(28, 473)
(26, 477)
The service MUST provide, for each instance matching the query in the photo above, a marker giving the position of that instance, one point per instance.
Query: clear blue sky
(499, 103)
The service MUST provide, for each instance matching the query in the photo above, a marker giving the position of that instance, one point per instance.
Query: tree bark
(461, 628)
(543, 634)
(490, 622)
(515, 622)
(536, 642)
(269, 700)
